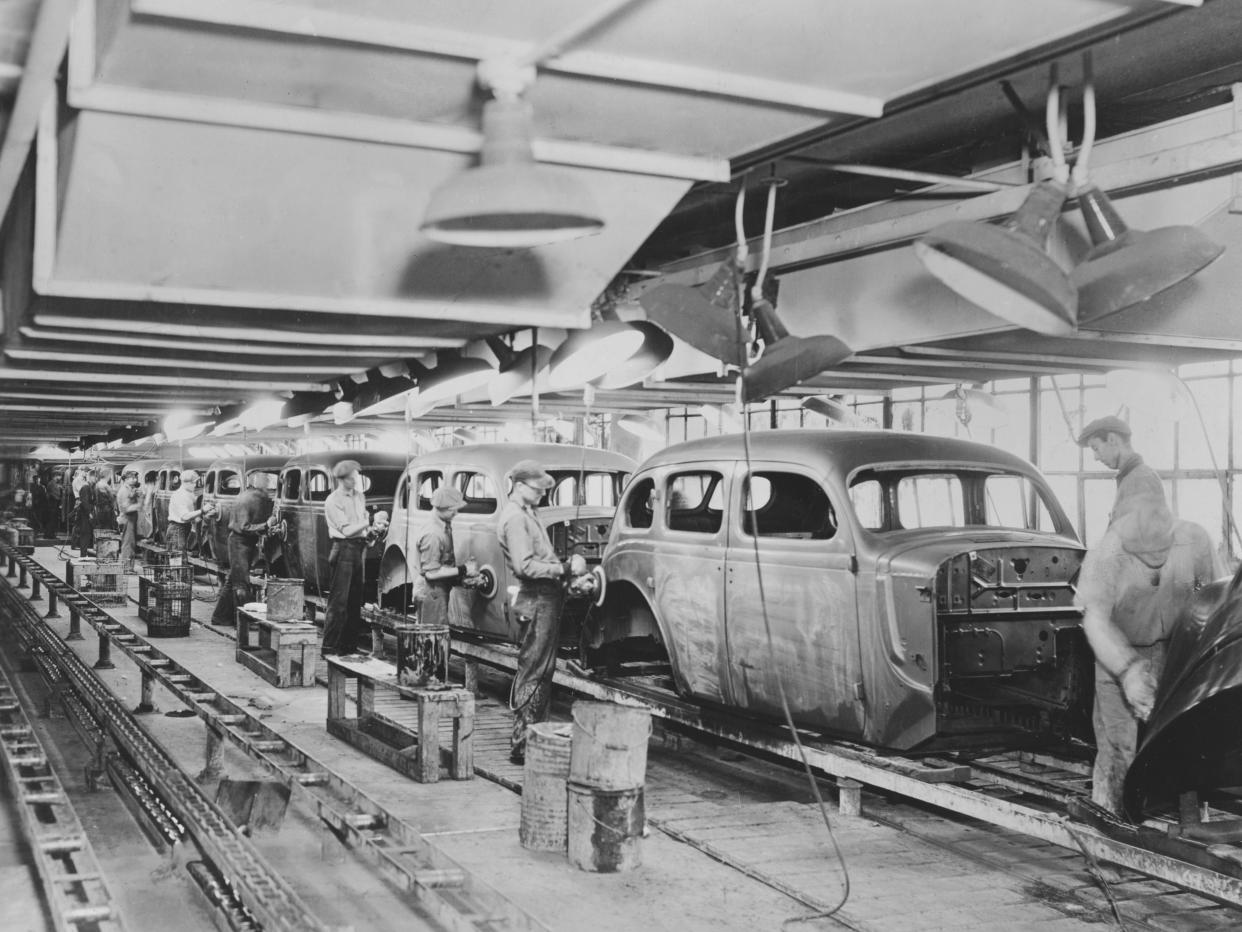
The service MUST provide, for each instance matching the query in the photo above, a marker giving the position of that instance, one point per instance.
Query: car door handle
(650, 582)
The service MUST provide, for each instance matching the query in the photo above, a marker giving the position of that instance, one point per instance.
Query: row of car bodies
(895, 588)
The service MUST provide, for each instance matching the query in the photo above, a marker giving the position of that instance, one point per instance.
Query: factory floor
(696, 794)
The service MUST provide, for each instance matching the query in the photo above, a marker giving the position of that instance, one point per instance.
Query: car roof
(265, 461)
(500, 457)
(840, 451)
(364, 458)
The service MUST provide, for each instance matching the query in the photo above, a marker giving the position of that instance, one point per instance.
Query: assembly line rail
(403, 857)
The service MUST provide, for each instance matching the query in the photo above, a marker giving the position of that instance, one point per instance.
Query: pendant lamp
(508, 200)
(514, 376)
(1128, 266)
(703, 316)
(1005, 269)
(453, 375)
(587, 354)
(655, 349)
(830, 408)
(786, 360)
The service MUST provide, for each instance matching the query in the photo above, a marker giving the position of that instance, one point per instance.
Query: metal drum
(423, 656)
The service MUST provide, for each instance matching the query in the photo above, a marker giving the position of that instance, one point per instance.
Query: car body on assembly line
(577, 511)
(900, 589)
(167, 481)
(305, 484)
(222, 485)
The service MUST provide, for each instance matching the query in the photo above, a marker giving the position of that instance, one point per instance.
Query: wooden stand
(286, 652)
(401, 726)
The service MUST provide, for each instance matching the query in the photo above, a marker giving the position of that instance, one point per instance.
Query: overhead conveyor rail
(401, 855)
(76, 890)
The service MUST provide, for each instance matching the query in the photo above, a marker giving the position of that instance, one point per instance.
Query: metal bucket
(604, 828)
(610, 745)
(423, 655)
(285, 599)
(107, 546)
(544, 814)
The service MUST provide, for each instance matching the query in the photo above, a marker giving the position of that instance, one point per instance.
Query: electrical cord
(763, 602)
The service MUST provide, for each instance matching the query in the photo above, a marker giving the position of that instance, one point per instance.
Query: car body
(167, 481)
(577, 514)
(305, 483)
(222, 485)
(886, 594)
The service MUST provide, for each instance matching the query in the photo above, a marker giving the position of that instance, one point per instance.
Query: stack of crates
(165, 594)
(102, 583)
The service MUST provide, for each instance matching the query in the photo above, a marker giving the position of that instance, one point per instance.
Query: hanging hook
(1082, 165)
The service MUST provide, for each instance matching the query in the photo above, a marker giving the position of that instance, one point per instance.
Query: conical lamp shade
(452, 376)
(830, 408)
(509, 200)
(789, 361)
(655, 349)
(1004, 269)
(703, 316)
(587, 354)
(1128, 266)
(513, 378)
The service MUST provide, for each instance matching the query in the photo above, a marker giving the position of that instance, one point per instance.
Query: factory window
(694, 502)
(228, 482)
(638, 503)
(788, 505)
(479, 491)
(290, 485)
(318, 485)
(428, 482)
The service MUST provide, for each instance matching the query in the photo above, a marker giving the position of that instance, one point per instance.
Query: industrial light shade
(703, 316)
(1005, 269)
(514, 375)
(587, 354)
(655, 349)
(786, 360)
(1128, 266)
(977, 407)
(641, 427)
(509, 200)
(382, 396)
(453, 375)
(831, 409)
(304, 407)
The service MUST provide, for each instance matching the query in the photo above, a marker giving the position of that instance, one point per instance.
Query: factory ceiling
(212, 201)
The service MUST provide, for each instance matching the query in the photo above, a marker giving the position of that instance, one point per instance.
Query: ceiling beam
(171, 379)
(448, 43)
(148, 362)
(198, 346)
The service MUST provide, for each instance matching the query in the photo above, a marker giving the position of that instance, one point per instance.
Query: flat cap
(345, 467)
(447, 497)
(532, 474)
(1104, 425)
(188, 474)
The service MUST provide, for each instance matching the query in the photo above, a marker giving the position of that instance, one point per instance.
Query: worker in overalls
(437, 562)
(541, 578)
(1132, 588)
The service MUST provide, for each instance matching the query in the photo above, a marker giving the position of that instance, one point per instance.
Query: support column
(12, 566)
(213, 756)
(75, 623)
(51, 604)
(34, 587)
(105, 653)
(849, 797)
(146, 705)
(21, 575)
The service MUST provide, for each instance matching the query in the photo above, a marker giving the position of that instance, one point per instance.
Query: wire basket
(169, 613)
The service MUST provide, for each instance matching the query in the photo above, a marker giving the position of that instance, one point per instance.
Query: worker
(104, 518)
(182, 510)
(84, 510)
(541, 578)
(1132, 588)
(250, 516)
(128, 503)
(350, 530)
(437, 562)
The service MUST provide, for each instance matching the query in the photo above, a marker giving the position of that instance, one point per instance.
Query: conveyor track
(402, 856)
(74, 886)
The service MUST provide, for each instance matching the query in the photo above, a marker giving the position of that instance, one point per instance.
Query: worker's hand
(273, 521)
(1138, 685)
(577, 565)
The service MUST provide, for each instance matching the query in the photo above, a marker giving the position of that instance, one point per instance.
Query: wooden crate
(400, 726)
(284, 653)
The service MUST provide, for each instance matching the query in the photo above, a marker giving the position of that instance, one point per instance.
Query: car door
(791, 562)
(686, 579)
(475, 538)
(314, 545)
(291, 519)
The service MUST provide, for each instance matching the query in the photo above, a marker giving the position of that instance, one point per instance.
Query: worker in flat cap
(183, 510)
(350, 529)
(128, 502)
(541, 579)
(1132, 588)
(438, 569)
(249, 518)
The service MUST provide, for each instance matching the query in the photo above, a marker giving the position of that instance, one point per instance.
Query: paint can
(423, 655)
(285, 598)
(610, 745)
(107, 546)
(604, 828)
(544, 815)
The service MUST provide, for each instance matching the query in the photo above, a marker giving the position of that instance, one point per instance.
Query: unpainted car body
(304, 485)
(222, 485)
(577, 512)
(884, 591)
